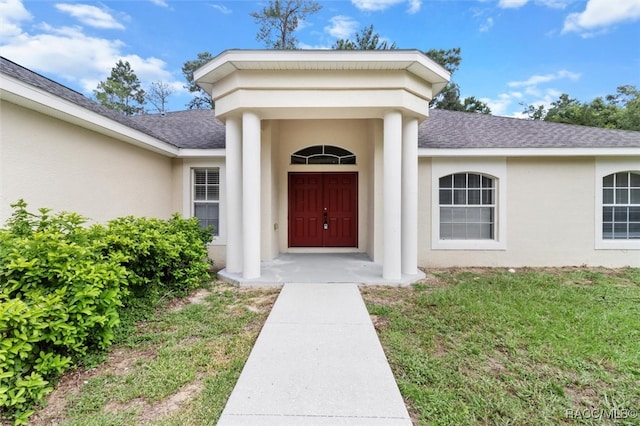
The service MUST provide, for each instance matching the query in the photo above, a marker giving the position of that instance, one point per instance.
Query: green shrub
(59, 297)
(63, 288)
(161, 256)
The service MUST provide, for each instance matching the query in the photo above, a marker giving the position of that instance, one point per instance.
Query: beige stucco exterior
(52, 163)
(58, 155)
(551, 211)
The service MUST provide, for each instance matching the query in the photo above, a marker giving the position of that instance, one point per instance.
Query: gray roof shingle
(453, 129)
(200, 129)
(196, 128)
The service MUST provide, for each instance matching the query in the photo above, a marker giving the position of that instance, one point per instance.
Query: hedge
(63, 287)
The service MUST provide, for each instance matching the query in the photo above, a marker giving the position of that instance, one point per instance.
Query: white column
(410, 196)
(251, 195)
(392, 195)
(234, 193)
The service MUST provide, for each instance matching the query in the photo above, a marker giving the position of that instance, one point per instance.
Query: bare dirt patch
(119, 362)
(151, 412)
(379, 323)
(195, 298)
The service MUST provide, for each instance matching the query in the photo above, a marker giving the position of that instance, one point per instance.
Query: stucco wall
(550, 214)
(54, 164)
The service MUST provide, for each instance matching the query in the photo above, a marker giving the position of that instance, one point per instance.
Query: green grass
(177, 367)
(467, 347)
(524, 348)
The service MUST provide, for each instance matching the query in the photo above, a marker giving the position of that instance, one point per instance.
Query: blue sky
(513, 51)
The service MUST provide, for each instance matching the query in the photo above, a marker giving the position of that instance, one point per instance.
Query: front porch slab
(319, 268)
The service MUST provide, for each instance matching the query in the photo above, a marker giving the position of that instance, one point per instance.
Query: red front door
(323, 209)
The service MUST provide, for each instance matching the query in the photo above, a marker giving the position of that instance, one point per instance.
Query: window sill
(468, 245)
(618, 245)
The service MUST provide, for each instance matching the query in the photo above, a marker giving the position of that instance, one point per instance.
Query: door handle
(325, 225)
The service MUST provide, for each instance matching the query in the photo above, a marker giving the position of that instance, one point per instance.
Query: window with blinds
(621, 206)
(206, 197)
(467, 207)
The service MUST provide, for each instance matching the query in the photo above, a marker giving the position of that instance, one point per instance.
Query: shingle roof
(453, 129)
(18, 72)
(442, 130)
(199, 129)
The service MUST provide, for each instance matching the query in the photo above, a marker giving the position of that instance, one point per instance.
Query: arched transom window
(323, 154)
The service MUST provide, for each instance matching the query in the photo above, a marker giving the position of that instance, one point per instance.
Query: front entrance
(323, 209)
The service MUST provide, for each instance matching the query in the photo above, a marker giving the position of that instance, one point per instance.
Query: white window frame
(495, 168)
(605, 167)
(188, 193)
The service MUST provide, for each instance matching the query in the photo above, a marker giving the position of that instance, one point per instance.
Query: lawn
(177, 368)
(532, 347)
(467, 347)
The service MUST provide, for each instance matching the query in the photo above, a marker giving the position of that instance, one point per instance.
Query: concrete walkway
(317, 361)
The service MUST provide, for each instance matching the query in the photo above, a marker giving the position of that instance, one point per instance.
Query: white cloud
(500, 105)
(534, 80)
(512, 104)
(378, 5)
(486, 25)
(222, 9)
(68, 54)
(511, 4)
(12, 14)
(514, 4)
(600, 14)
(341, 26)
(528, 92)
(414, 6)
(90, 15)
(160, 3)
(555, 4)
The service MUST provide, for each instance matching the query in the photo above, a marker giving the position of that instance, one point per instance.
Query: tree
(202, 100)
(280, 19)
(121, 91)
(450, 59)
(449, 96)
(619, 111)
(629, 117)
(158, 94)
(472, 104)
(365, 40)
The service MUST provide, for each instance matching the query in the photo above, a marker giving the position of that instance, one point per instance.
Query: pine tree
(121, 91)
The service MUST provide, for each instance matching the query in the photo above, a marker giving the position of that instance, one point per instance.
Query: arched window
(621, 206)
(323, 154)
(467, 207)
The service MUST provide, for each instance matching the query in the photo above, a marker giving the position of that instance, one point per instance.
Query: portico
(274, 103)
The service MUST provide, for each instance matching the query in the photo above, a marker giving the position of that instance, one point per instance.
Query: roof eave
(531, 152)
(412, 61)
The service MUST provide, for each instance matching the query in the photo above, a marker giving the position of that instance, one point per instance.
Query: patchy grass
(535, 347)
(178, 367)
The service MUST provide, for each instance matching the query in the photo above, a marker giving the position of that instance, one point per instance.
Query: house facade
(331, 151)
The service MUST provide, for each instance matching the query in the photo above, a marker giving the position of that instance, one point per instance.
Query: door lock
(325, 225)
